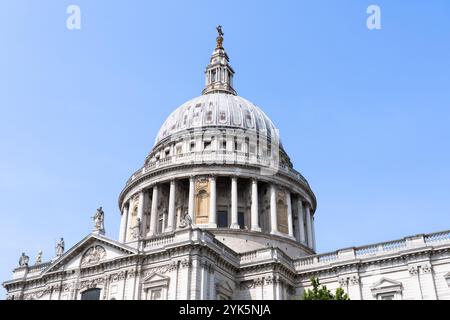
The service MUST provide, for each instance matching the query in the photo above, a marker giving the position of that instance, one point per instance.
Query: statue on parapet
(99, 218)
(24, 259)
(60, 247)
(39, 257)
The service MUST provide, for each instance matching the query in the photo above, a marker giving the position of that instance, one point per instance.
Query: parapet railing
(231, 157)
(189, 235)
(437, 237)
(373, 250)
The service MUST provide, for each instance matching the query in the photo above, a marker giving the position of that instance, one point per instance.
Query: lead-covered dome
(218, 109)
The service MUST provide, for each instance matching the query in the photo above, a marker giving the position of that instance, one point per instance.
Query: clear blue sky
(363, 114)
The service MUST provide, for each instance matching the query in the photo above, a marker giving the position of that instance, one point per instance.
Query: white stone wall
(192, 264)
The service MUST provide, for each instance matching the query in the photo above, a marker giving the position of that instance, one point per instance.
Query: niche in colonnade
(282, 217)
(201, 200)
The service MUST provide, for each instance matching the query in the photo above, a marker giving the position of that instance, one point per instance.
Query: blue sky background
(363, 114)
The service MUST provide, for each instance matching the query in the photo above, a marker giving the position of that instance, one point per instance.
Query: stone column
(308, 225)
(191, 198)
(212, 285)
(289, 214)
(301, 222)
(427, 281)
(254, 209)
(171, 216)
(273, 210)
(154, 212)
(123, 223)
(234, 204)
(212, 203)
(414, 273)
(313, 230)
(129, 218)
(140, 213)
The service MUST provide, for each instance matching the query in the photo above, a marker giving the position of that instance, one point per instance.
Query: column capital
(254, 180)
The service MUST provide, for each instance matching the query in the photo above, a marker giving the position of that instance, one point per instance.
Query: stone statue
(60, 247)
(23, 261)
(186, 221)
(39, 257)
(136, 230)
(99, 218)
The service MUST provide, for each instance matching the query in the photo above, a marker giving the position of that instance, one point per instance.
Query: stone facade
(217, 211)
(193, 264)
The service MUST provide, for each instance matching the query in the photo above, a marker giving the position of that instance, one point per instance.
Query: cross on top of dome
(219, 74)
(220, 37)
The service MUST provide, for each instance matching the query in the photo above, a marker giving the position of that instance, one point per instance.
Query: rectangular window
(241, 220)
(222, 219)
(192, 146)
(224, 145)
(207, 145)
(209, 116)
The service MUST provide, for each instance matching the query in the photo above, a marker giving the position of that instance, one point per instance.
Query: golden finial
(220, 37)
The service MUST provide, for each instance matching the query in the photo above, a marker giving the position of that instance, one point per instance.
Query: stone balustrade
(375, 250)
(217, 157)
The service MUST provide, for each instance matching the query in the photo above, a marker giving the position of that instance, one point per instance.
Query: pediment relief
(93, 255)
(91, 250)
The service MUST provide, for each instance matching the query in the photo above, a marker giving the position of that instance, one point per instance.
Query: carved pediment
(386, 285)
(155, 280)
(93, 255)
(92, 250)
(447, 277)
(224, 288)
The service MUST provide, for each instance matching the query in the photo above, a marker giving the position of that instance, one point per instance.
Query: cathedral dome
(214, 110)
(218, 164)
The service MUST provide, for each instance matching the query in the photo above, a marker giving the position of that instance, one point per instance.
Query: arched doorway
(91, 294)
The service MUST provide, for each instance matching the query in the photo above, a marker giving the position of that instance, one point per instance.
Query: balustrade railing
(374, 250)
(159, 241)
(437, 237)
(220, 156)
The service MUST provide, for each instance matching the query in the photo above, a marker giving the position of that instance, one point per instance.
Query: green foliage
(319, 292)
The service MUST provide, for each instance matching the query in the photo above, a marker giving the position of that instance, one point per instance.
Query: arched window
(91, 294)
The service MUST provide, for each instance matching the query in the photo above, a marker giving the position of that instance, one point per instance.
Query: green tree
(319, 292)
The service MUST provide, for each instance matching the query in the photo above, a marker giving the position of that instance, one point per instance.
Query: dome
(218, 164)
(217, 110)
